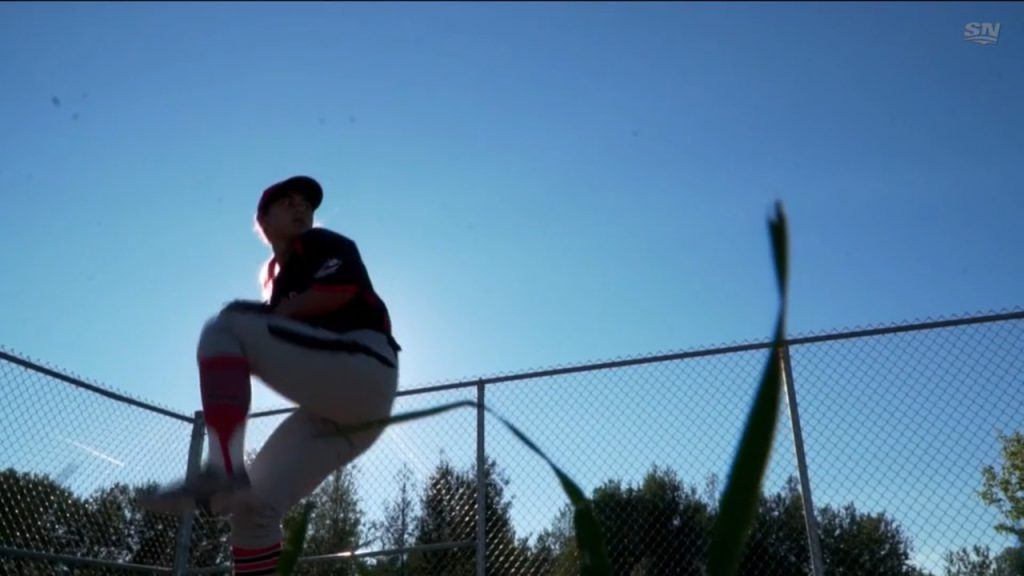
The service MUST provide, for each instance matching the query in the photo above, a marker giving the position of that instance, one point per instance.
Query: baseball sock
(256, 561)
(226, 393)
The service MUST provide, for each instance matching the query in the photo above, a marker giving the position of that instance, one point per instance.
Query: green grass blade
(295, 542)
(403, 417)
(593, 555)
(739, 502)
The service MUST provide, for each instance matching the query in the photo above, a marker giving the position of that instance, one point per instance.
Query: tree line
(657, 526)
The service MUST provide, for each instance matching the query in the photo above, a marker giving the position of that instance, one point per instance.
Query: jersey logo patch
(329, 267)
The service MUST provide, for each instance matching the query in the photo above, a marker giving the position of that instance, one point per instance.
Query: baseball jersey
(325, 260)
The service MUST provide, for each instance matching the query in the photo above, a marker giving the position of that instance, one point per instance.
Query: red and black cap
(304, 185)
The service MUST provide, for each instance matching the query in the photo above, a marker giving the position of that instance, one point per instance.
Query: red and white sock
(255, 561)
(226, 392)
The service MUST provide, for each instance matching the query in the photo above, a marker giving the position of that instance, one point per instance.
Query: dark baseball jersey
(325, 260)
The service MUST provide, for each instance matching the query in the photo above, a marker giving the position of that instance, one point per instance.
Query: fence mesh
(651, 444)
(901, 425)
(72, 459)
(897, 426)
(377, 504)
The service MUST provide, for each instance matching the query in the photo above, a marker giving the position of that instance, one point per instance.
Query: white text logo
(983, 33)
(328, 267)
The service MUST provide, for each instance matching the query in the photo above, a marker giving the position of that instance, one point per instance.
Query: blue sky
(530, 184)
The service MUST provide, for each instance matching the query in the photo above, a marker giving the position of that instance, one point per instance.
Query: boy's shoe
(195, 493)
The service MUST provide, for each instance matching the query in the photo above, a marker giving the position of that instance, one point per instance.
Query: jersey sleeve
(334, 262)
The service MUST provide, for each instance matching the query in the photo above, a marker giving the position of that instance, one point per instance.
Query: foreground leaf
(295, 542)
(739, 501)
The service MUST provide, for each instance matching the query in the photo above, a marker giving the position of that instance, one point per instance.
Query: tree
(397, 529)
(855, 543)
(677, 523)
(662, 527)
(1003, 488)
(554, 552)
(777, 542)
(114, 524)
(974, 561)
(1010, 562)
(38, 515)
(978, 561)
(659, 526)
(43, 516)
(115, 528)
(447, 508)
(448, 514)
(335, 524)
(156, 533)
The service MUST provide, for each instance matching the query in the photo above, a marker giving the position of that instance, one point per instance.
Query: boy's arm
(315, 302)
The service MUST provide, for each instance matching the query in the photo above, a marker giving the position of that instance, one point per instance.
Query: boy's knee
(216, 337)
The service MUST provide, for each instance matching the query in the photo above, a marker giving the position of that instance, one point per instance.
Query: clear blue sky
(530, 184)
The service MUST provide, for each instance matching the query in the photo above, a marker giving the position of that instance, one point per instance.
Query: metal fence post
(481, 486)
(195, 454)
(810, 517)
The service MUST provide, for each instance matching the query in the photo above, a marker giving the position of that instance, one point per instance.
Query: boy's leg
(344, 378)
(332, 385)
(299, 455)
(347, 379)
(226, 393)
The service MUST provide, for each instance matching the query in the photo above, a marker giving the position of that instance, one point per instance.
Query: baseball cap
(304, 185)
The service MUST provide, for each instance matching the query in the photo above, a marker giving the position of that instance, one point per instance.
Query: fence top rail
(717, 351)
(722, 350)
(80, 561)
(591, 367)
(79, 383)
(902, 328)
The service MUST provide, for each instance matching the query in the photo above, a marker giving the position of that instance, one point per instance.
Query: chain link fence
(73, 455)
(881, 455)
(901, 424)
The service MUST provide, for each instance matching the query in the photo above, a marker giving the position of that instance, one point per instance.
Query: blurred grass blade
(593, 557)
(739, 501)
(295, 542)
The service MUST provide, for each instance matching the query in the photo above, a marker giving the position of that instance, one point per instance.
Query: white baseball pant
(333, 378)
